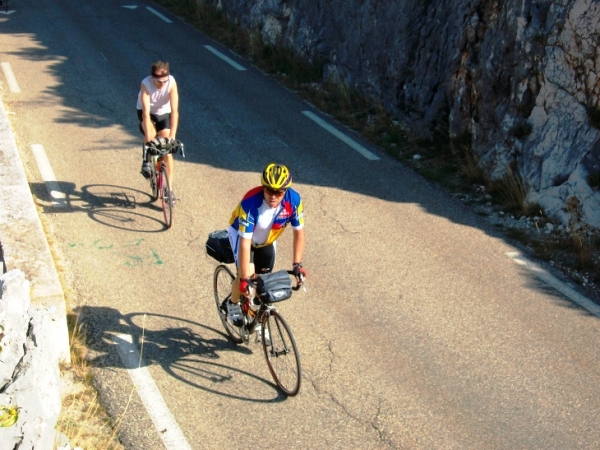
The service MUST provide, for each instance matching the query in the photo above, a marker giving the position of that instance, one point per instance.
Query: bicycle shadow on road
(114, 206)
(193, 353)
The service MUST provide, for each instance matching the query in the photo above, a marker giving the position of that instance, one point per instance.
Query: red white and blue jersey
(246, 215)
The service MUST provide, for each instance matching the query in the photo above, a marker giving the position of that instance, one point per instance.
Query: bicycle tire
(153, 181)
(166, 196)
(222, 280)
(281, 353)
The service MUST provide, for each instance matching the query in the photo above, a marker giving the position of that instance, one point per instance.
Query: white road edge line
(543, 275)
(156, 13)
(227, 59)
(52, 186)
(341, 136)
(163, 420)
(10, 77)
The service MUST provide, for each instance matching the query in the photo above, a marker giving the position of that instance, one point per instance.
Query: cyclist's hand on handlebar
(244, 287)
(299, 272)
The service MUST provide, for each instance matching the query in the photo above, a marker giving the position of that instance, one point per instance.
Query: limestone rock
(520, 77)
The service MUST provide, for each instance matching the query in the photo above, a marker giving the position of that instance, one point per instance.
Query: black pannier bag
(219, 247)
(275, 286)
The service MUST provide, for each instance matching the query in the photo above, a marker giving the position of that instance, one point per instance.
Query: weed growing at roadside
(83, 419)
(511, 191)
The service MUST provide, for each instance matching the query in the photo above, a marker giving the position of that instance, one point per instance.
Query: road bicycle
(278, 344)
(159, 180)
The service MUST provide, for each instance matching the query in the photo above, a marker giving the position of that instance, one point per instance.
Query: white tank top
(160, 101)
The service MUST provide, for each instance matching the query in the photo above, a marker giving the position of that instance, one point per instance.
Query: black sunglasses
(158, 78)
(275, 193)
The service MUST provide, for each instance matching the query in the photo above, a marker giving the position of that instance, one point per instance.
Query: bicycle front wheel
(281, 353)
(153, 181)
(166, 196)
(222, 280)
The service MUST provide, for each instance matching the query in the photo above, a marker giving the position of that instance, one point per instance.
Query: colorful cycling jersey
(245, 217)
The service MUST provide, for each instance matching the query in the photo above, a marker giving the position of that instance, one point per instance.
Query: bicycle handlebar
(154, 150)
(298, 284)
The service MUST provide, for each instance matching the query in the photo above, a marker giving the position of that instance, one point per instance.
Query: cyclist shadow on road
(114, 206)
(193, 353)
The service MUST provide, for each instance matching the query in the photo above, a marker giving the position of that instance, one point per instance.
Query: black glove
(299, 272)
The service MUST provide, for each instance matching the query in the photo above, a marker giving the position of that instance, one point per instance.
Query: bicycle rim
(222, 280)
(166, 197)
(281, 353)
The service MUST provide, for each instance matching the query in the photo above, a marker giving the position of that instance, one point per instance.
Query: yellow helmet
(276, 177)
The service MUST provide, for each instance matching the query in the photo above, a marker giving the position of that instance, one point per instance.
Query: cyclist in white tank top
(158, 110)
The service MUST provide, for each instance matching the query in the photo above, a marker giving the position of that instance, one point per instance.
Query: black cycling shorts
(263, 258)
(162, 122)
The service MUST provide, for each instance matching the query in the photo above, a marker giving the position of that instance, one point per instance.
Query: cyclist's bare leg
(168, 159)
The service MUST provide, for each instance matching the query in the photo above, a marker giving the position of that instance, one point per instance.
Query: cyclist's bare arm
(174, 99)
(298, 245)
(149, 130)
(245, 267)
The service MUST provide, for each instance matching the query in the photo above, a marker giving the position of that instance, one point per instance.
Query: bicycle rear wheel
(166, 196)
(281, 353)
(222, 280)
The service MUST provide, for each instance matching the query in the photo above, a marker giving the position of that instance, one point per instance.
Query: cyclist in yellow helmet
(258, 220)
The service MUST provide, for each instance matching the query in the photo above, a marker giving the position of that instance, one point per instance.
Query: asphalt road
(417, 330)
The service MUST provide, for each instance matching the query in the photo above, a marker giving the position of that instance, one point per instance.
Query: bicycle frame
(277, 341)
(159, 179)
(264, 310)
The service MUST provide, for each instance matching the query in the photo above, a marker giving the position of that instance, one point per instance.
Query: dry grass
(83, 419)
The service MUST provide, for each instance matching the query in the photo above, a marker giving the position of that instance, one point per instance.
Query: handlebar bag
(219, 247)
(274, 287)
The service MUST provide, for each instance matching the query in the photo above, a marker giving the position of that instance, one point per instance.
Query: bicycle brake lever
(303, 283)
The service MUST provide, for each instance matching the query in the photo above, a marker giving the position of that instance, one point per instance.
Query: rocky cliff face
(519, 76)
(29, 374)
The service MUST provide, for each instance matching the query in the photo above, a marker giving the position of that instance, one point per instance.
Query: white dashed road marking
(52, 186)
(227, 59)
(555, 283)
(162, 418)
(156, 13)
(341, 136)
(10, 77)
